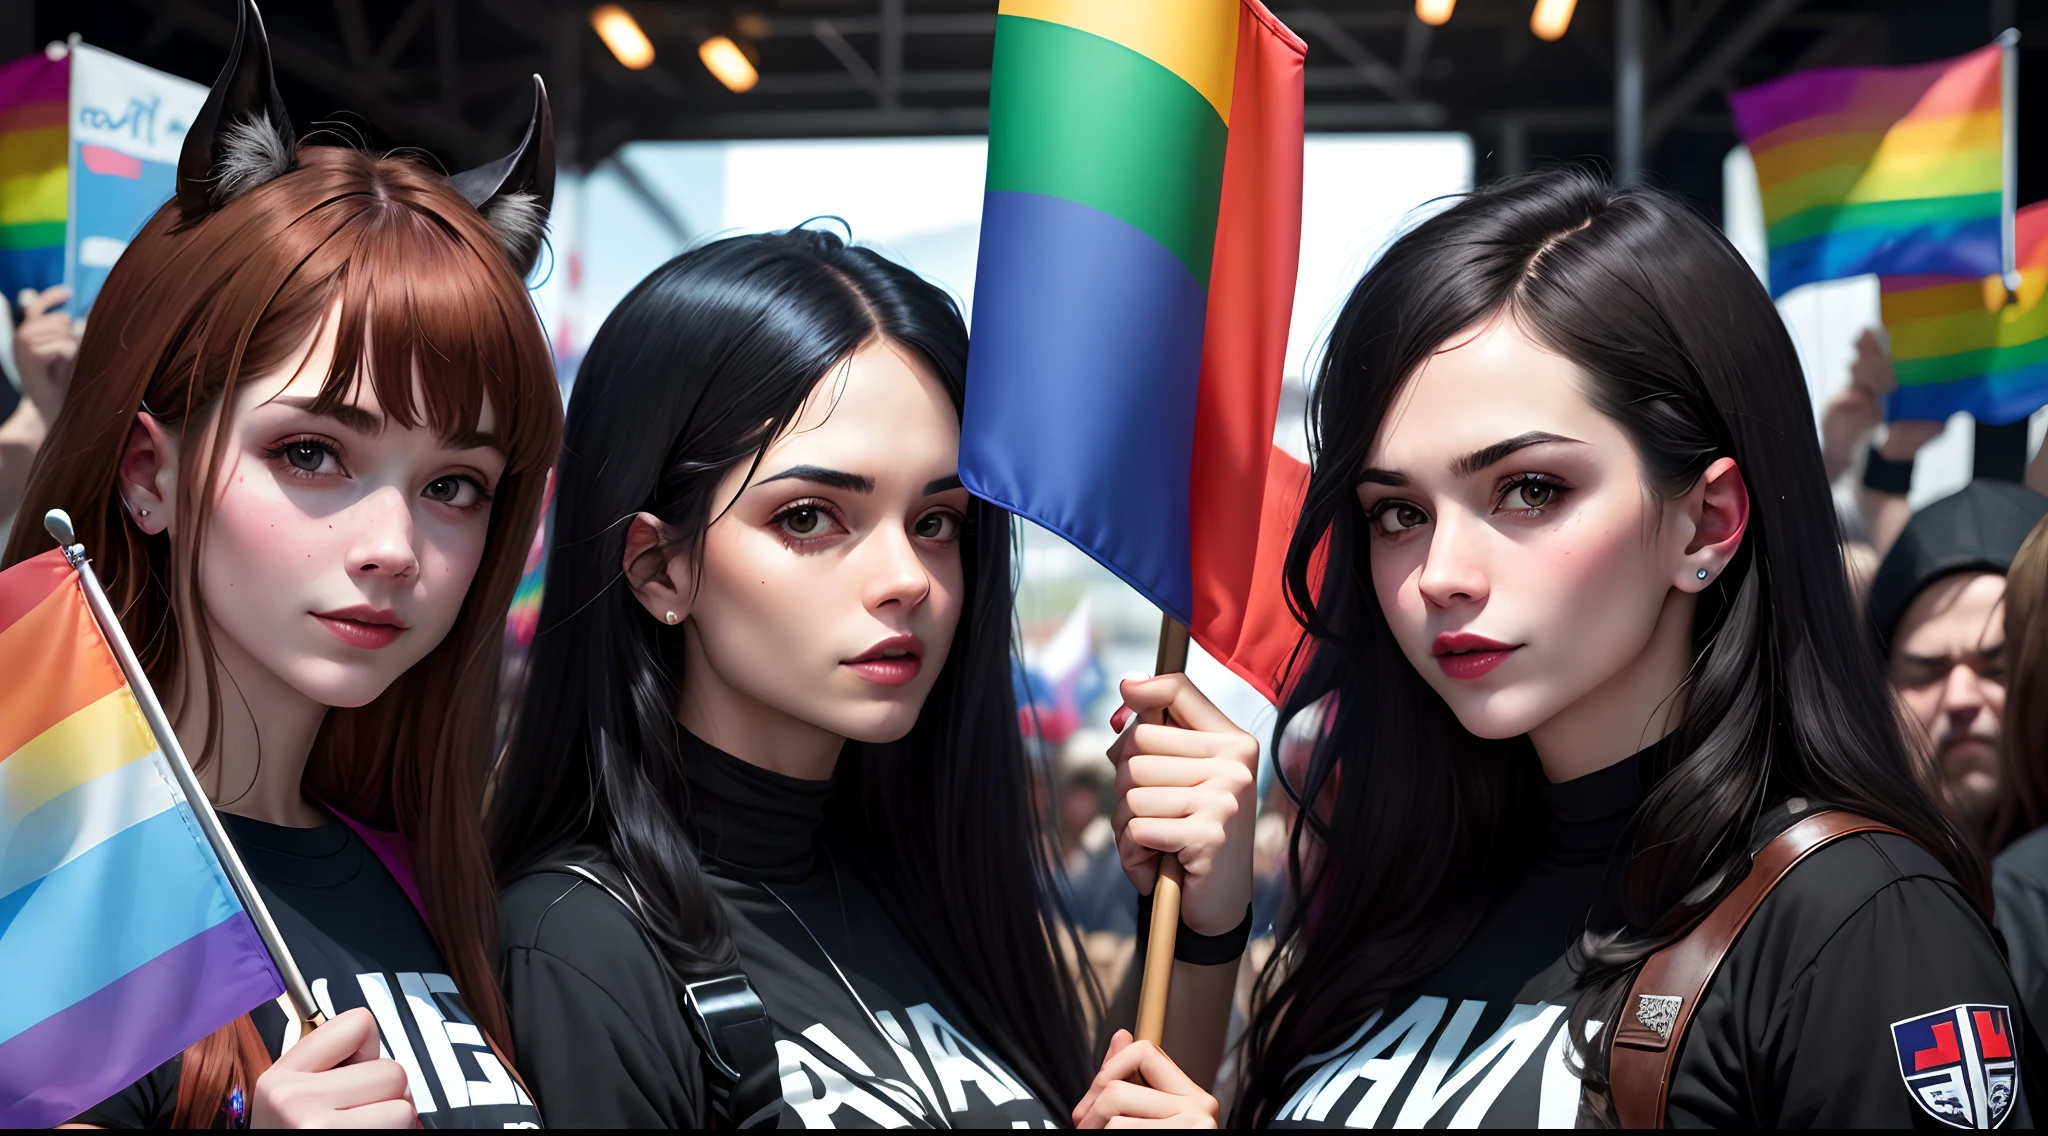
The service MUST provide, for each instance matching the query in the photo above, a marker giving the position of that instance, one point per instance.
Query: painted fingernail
(1118, 719)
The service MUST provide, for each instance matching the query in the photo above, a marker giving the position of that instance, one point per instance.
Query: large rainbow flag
(35, 101)
(1892, 170)
(1139, 242)
(1958, 345)
(121, 941)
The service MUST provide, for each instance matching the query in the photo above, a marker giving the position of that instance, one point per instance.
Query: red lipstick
(892, 662)
(362, 625)
(1464, 655)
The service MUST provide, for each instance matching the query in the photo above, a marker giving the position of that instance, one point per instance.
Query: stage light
(621, 32)
(1434, 12)
(1551, 18)
(724, 59)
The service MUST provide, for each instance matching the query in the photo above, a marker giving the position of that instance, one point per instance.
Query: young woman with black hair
(1586, 633)
(771, 750)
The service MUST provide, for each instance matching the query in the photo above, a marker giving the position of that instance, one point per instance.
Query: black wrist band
(1191, 946)
(1883, 475)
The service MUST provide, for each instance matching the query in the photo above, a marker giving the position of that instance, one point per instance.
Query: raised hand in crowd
(46, 348)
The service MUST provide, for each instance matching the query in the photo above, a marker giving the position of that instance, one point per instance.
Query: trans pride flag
(1892, 170)
(1957, 344)
(1139, 242)
(121, 941)
(35, 93)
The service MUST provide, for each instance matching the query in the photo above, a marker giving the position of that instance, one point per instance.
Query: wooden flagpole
(1159, 940)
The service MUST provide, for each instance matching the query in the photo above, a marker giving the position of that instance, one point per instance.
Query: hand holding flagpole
(1165, 928)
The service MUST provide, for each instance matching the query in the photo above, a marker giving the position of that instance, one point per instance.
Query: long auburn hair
(1422, 821)
(188, 313)
(2024, 733)
(695, 372)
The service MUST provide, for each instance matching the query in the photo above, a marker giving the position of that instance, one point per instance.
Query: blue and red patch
(1960, 1064)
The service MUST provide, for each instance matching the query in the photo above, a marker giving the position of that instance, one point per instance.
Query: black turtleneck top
(598, 1026)
(1866, 991)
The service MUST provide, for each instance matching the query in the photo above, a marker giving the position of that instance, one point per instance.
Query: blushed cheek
(259, 546)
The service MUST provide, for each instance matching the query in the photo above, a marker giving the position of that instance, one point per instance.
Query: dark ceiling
(448, 75)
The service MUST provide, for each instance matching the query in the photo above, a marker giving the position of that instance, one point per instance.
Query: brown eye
(938, 526)
(1399, 517)
(802, 522)
(305, 455)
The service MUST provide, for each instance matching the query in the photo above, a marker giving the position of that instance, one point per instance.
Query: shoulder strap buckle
(718, 1008)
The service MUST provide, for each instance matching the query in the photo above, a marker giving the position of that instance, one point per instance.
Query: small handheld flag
(1891, 170)
(1963, 343)
(128, 927)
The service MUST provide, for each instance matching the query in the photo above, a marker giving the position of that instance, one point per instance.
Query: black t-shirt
(360, 942)
(1866, 991)
(601, 1035)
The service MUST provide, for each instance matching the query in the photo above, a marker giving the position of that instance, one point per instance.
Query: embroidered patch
(1658, 1012)
(1959, 1065)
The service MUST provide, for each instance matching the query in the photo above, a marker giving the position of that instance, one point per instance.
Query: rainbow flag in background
(121, 941)
(35, 101)
(1957, 345)
(1892, 170)
(1139, 241)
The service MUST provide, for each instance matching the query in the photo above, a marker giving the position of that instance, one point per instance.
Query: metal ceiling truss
(413, 68)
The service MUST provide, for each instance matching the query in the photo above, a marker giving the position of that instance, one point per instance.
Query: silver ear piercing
(145, 512)
(1703, 573)
(670, 618)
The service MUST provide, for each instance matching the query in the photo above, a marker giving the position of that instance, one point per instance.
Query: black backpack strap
(727, 1020)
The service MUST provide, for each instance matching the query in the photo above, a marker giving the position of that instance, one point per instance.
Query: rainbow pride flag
(121, 941)
(1958, 345)
(35, 101)
(1139, 241)
(1892, 170)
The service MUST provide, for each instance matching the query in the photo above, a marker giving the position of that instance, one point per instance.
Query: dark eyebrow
(353, 417)
(834, 478)
(1382, 477)
(1487, 455)
(942, 484)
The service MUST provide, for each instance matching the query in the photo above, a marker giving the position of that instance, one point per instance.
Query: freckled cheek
(258, 538)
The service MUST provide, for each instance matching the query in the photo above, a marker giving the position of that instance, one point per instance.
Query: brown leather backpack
(1668, 989)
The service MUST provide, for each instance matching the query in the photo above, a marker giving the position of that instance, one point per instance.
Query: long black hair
(696, 371)
(1419, 818)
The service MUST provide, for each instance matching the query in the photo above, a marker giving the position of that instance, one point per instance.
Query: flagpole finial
(57, 523)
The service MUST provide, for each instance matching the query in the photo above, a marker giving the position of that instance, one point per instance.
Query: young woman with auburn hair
(1595, 669)
(305, 446)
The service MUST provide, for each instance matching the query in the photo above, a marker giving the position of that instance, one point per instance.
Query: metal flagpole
(58, 523)
(2008, 117)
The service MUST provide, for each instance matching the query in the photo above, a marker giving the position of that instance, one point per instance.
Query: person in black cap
(1936, 608)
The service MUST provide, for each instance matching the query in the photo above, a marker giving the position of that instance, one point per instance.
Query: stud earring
(1703, 573)
(145, 512)
(670, 618)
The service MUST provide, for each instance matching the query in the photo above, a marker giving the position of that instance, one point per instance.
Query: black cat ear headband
(242, 138)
